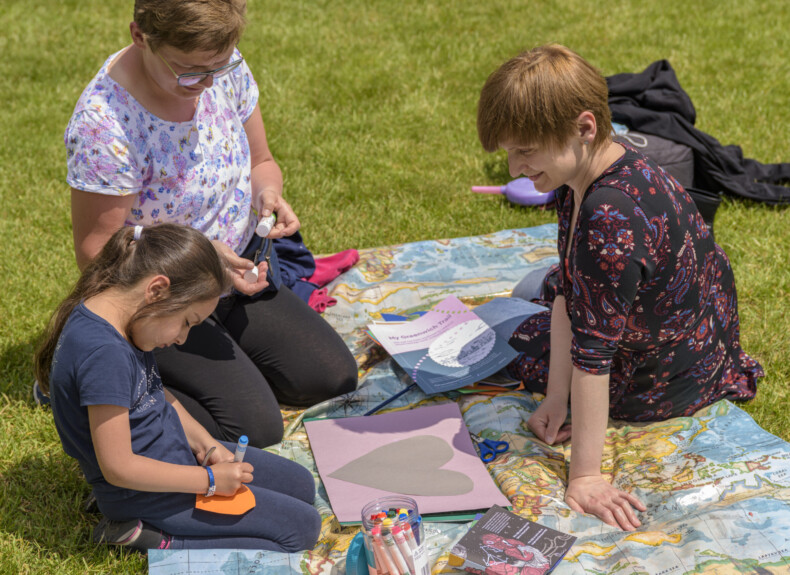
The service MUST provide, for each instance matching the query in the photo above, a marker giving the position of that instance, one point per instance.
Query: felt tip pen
(386, 559)
(241, 449)
(378, 560)
(370, 553)
(408, 534)
(403, 546)
(397, 557)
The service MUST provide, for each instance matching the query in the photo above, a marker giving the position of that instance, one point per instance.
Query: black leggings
(251, 354)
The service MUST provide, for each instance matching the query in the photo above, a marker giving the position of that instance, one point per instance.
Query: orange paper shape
(237, 504)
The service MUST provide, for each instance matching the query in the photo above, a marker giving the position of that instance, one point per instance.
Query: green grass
(370, 111)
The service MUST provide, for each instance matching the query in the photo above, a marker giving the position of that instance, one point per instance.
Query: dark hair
(536, 97)
(195, 270)
(190, 25)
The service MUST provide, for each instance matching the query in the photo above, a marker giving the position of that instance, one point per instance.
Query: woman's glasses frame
(192, 78)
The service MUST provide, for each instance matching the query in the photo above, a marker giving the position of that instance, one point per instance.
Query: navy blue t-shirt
(95, 365)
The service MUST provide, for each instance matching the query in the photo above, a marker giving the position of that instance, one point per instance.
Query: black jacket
(654, 103)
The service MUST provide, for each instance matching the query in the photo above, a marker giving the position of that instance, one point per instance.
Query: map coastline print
(716, 485)
(446, 348)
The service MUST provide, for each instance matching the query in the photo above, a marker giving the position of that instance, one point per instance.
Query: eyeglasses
(192, 78)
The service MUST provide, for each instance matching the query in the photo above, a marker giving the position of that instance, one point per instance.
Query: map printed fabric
(716, 485)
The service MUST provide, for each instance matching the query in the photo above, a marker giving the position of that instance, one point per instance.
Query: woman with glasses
(170, 130)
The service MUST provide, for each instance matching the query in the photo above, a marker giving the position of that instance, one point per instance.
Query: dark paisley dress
(650, 295)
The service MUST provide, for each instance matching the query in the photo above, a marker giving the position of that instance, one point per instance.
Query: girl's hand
(229, 475)
(221, 454)
(593, 494)
(238, 265)
(547, 421)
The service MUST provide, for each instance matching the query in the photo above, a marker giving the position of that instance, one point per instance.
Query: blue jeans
(283, 518)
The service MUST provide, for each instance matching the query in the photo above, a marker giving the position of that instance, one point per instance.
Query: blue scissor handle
(489, 448)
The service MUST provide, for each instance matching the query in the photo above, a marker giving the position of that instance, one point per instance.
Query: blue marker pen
(241, 449)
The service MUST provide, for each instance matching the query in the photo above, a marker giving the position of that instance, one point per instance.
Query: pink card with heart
(425, 453)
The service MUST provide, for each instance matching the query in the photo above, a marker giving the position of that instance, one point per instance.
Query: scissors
(208, 454)
(489, 448)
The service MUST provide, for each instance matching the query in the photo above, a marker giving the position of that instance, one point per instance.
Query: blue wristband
(211, 487)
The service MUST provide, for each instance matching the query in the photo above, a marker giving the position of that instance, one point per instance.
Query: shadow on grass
(42, 501)
(496, 169)
(44, 527)
(16, 370)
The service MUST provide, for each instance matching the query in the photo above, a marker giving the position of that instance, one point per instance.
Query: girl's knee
(303, 486)
(291, 479)
(302, 529)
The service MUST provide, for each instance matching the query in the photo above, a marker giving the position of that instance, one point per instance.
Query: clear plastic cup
(391, 506)
(393, 502)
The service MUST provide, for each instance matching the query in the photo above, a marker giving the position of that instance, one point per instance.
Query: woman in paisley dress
(171, 130)
(643, 321)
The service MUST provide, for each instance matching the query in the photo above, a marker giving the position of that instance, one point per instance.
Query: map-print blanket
(716, 485)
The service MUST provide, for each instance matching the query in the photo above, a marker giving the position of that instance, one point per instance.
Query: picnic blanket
(716, 485)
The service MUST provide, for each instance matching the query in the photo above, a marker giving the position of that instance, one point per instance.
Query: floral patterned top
(650, 295)
(195, 173)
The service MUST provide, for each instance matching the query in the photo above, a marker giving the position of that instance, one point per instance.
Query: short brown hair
(536, 97)
(191, 25)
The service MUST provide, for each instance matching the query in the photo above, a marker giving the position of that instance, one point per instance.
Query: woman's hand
(238, 265)
(593, 494)
(229, 476)
(287, 223)
(547, 421)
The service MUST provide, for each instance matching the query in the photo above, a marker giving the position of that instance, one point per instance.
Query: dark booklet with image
(502, 543)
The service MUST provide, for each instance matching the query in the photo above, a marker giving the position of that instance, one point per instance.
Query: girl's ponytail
(181, 253)
(91, 282)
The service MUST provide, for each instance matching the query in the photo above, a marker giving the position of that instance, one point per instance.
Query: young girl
(138, 447)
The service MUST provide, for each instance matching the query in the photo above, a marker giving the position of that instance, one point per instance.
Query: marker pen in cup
(370, 553)
(241, 449)
(381, 549)
(397, 557)
(381, 567)
(408, 534)
(403, 546)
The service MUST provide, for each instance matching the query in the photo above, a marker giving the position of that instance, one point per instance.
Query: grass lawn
(370, 111)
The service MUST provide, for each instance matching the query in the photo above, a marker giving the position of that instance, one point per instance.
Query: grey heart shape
(409, 466)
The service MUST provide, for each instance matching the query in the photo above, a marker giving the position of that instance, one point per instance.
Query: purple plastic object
(520, 191)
